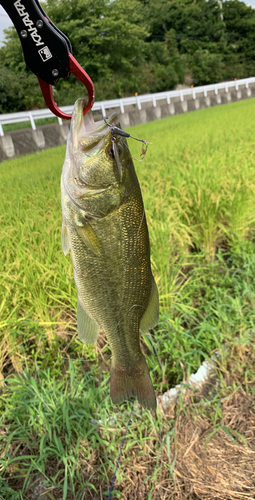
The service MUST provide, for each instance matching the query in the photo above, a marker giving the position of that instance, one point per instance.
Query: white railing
(126, 101)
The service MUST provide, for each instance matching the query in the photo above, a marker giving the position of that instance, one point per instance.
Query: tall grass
(198, 180)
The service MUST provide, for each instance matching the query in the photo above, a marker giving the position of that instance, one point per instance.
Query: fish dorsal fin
(88, 329)
(150, 317)
(65, 240)
(88, 236)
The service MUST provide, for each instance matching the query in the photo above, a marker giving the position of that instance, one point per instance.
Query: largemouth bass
(105, 228)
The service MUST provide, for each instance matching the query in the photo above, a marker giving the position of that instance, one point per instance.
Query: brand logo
(21, 9)
(45, 53)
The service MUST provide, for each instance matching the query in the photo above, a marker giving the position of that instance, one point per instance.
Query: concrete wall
(24, 141)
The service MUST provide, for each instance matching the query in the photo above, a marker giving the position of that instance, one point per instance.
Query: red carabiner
(76, 70)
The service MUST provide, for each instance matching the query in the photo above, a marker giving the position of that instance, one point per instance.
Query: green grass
(198, 184)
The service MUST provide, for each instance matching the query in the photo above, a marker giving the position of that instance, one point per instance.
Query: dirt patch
(213, 444)
(217, 462)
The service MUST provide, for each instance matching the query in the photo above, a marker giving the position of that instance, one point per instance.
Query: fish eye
(111, 150)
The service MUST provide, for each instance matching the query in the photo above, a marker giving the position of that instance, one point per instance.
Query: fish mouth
(85, 132)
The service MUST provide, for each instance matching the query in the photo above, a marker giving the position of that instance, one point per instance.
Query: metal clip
(76, 70)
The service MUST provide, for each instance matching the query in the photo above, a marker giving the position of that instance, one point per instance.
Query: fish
(104, 226)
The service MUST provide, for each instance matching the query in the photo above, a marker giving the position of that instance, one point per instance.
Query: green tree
(239, 56)
(200, 19)
(138, 46)
(18, 91)
(199, 32)
(207, 67)
(105, 36)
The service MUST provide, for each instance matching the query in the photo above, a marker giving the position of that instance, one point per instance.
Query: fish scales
(104, 225)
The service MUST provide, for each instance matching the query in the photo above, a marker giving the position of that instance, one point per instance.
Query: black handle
(46, 49)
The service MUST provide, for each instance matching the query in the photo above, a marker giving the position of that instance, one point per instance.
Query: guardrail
(126, 101)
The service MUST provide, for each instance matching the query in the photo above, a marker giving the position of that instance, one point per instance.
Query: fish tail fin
(135, 382)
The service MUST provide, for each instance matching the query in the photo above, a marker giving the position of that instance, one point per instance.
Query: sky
(5, 21)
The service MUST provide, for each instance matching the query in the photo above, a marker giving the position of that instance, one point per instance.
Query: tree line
(141, 46)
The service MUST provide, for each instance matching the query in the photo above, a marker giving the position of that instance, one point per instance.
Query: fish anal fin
(89, 237)
(65, 239)
(150, 317)
(126, 383)
(88, 328)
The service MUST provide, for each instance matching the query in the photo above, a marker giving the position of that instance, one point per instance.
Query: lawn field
(198, 186)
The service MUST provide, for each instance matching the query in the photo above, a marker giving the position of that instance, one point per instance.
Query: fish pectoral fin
(88, 328)
(65, 239)
(89, 237)
(150, 317)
